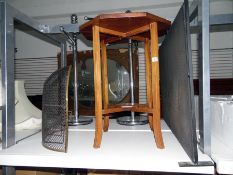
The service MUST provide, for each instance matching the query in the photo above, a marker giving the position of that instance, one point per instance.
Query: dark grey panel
(176, 83)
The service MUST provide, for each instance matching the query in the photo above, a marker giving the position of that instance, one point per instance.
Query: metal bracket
(87, 18)
(53, 29)
(198, 164)
(193, 10)
(43, 28)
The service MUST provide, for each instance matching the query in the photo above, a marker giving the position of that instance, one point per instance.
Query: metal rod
(204, 78)
(131, 78)
(75, 77)
(63, 54)
(70, 40)
(132, 119)
(87, 18)
(193, 10)
(76, 119)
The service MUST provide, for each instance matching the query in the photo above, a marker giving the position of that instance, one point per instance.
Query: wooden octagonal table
(111, 28)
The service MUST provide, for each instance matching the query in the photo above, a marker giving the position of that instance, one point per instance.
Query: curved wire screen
(55, 110)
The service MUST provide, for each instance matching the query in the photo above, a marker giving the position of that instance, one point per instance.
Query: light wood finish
(138, 30)
(112, 32)
(125, 24)
(155, 85)
(121, 39)
(116, 27)
(127, 107)
(37, 171)
(97, 87)
(105, 82)
(148, 78)
(137, 38)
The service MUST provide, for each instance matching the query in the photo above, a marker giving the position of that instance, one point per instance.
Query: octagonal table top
(117, 26)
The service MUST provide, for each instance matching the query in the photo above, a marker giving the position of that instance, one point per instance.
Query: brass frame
(67, 110)
(66, 114)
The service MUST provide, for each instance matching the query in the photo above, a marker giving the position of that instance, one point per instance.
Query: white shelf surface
(222, 155)
(122, 148)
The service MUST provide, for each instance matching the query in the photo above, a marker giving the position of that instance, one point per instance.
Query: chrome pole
(132, 120)
(63, 54)
(76, 119)
(75, 78)
(131, 78)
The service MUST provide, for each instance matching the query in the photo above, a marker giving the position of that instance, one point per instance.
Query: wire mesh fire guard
(55, 110)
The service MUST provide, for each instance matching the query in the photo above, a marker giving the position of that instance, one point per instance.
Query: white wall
(31, 47)
(59, 11)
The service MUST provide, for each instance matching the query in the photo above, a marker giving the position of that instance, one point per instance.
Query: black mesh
(177, 83)
(55, 110)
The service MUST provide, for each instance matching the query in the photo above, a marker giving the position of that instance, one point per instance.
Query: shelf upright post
(7, 66)
(8, 170)
(204, 77)
(8, 87)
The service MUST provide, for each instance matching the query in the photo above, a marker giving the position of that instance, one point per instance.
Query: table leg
(148, 78)
(105, 82)
(155, 85)
(97, 86)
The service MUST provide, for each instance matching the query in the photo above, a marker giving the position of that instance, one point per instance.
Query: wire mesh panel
(55, 110)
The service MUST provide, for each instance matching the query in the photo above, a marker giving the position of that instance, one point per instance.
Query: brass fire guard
(55, 110)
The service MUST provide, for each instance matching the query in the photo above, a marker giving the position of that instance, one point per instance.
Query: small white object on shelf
(222, 133)
(27, 116)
